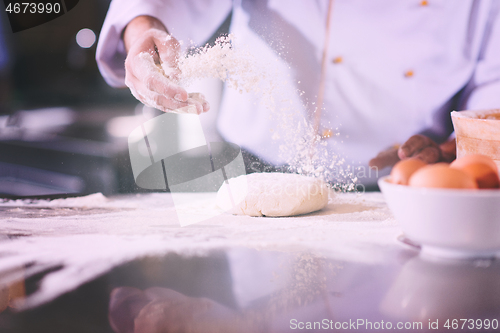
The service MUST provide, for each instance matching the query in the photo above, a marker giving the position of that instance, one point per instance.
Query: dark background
(43, 67)
(47, 67)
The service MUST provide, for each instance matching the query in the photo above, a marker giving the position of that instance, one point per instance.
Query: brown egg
(440, 175)
(473, 158)
(402, 171)
(483, 174)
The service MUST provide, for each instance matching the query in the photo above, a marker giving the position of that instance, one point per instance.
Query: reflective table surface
(309, 283)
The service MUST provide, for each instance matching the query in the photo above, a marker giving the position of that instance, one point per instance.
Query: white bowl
(442, 290)
(447, 222)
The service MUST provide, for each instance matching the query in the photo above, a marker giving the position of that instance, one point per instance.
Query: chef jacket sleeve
(190, 21)
(485, 83)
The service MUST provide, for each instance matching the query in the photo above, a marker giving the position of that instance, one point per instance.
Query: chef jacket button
(337, 60)
(424, 3)
(327, 133)
(409, 74)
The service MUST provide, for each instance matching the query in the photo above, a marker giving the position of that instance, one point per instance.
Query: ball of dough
(272, 194)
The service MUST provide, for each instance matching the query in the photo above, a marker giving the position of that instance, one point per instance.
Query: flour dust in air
(300, 146)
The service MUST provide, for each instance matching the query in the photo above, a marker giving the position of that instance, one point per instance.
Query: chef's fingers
(153, 99)
(146, 45)
(449, 150)
(144, 62)
(385, 158)
(200, 99)
(151, 73)
(195, 103)
(143, 67)
(169, 53)
(206, 106)
(429, 155)
(124, 305)
(160, 293)
(167, 104)
(164, 103)
(169, 309)
(414, 145)
(194, 107)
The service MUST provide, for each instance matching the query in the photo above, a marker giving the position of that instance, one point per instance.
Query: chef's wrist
(136, 29)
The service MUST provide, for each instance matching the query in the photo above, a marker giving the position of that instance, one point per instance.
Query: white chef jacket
(395, 67)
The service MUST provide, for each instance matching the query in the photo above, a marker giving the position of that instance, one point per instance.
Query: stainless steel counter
(92, 264)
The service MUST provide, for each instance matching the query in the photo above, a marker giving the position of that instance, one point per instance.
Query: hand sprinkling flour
(157, 72)
(152, 74)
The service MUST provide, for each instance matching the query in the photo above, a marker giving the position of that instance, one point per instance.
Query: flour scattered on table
(355, 228)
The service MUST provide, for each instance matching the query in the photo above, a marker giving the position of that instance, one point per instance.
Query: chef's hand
(418, 146)
(151, 70)
(164, 310)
